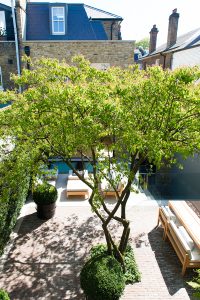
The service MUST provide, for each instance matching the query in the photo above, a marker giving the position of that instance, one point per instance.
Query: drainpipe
(111, 29)
(164, 59)
(16, 42)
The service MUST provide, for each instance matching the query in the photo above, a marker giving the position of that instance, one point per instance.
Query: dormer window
(58, 20)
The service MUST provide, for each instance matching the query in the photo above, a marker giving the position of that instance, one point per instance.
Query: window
(58, 20)
(1, 80)
(2, 24)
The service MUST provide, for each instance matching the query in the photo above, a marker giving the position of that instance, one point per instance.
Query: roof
(185, 41)
(95, 13)
(83, 22)
(5, 7)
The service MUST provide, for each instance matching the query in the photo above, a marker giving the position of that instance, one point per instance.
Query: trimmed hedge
(45, 193)
(14, 184)
(4, 295)
(132, 274)
(102, 278)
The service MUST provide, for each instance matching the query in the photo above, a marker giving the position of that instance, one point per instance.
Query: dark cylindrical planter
(46, 211)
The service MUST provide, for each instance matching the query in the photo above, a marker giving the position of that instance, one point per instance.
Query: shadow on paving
(46, 258)
(169, 263)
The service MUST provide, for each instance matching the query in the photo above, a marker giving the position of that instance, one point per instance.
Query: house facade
(178, 51)
(184, 50)
(62, 30)
(7, 46)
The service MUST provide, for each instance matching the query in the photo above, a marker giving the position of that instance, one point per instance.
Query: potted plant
(3, 34)
(4, 295)
(45, 196)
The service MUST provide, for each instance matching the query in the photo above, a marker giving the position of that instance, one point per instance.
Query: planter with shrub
(4, 295)
(45, 196)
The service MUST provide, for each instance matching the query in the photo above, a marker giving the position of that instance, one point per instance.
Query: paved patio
(45, 259)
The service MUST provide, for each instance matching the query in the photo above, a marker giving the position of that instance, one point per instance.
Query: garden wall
(113, 53)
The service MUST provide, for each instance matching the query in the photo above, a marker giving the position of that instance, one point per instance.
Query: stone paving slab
(45, 260)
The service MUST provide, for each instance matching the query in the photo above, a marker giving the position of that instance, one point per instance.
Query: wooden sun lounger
(77, 188)
(182, 227)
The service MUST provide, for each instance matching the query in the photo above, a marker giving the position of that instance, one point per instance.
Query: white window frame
(1, 80)
(52, 21)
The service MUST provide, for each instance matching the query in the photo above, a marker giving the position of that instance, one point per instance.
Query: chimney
(173, 28)
(153, 39)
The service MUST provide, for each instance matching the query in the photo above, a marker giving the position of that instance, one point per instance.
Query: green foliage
(144, 43)
(98, 250)
(3, 31)
(44, 193)
(76, 110)
(14, 184)
(102, 278)
(195, 284)
(132, 273)
(4, 295)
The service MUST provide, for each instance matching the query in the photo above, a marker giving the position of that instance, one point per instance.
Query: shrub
(195, 284)
(45, 193)
(132, 273)
(4, 295)
(102, 278)
(14, 184)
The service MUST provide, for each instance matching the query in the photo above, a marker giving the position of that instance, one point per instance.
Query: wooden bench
(175, 225)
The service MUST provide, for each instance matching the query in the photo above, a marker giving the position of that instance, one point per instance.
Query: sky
(139, 16)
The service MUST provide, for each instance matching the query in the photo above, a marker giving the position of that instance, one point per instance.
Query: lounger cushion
(73, 176)
(168, 213)
(186, 237)
(180, 237)
(76, 186)
(195, 254)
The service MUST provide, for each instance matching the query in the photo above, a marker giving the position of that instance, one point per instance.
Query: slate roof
(83, 22)
(185, 41)
(4, 7)
(95, 13)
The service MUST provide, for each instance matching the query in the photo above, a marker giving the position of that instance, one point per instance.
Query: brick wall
(115, 53)
(158, 59)
(7, 62)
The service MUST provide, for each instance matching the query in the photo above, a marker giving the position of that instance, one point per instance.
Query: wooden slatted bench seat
(182, 227)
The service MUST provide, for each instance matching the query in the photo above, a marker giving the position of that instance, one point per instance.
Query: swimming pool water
(64, 169)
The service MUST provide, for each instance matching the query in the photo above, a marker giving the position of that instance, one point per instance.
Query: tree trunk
(124, 238)
(108, 240)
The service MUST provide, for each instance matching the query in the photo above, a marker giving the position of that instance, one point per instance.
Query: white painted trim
(54, 32)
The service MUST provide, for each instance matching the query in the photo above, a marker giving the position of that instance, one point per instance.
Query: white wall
(189, 57)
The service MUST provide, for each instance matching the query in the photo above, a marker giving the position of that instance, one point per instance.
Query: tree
(144, 43)
(116, 119)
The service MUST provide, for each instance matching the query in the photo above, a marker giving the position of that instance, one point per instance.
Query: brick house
(7, 54)
(61, 30)
(177, 51)
(175, 183)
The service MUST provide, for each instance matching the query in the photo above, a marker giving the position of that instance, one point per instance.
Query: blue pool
(64, 169)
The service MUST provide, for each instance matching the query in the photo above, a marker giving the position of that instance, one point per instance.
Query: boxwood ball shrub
(44, 193)
(4, 295)
(102, 278)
